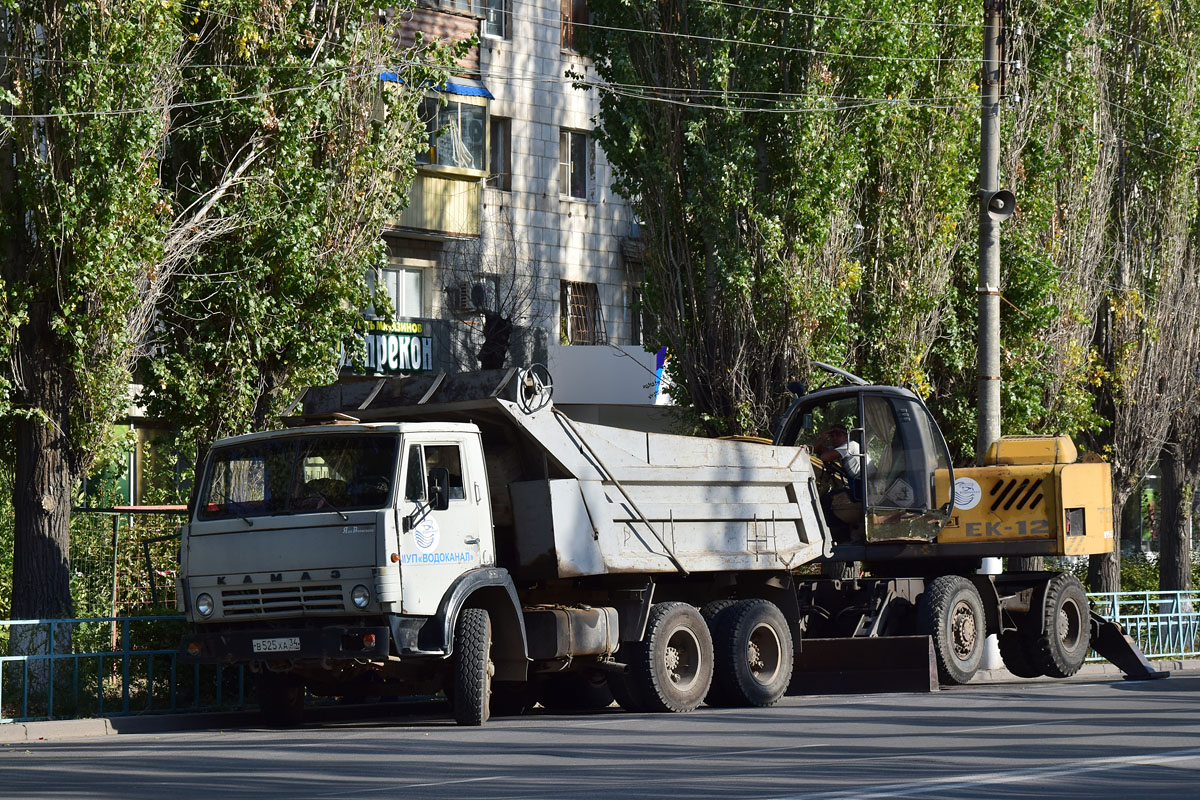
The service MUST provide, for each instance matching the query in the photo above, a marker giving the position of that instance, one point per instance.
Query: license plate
(282, 644)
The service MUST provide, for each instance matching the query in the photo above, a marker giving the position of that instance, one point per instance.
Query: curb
(1091, 670)
(45, 730)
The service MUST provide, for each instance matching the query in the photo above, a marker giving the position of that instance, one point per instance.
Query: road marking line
(1007, 776)
(400, 786)
(1014, 725)
(721, 753)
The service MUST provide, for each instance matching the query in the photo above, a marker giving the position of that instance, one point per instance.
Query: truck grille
(249, 601)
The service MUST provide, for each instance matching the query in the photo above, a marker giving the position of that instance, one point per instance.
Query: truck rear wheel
(1062, 648)
(752, 650)
(671, 668)
(951, 612)
(281, 699)
(472, 667)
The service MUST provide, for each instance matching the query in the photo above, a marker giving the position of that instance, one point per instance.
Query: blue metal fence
(1164, 624)
(106, 666)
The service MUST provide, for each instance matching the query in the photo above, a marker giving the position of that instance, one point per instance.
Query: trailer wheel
(752, 651)
(1063, 646)
(472, 667)
(575, 691)
(1017, 650)
(951, 611)
(281, 699)
(671, 668)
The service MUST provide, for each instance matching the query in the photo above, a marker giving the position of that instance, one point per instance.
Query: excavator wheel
(951, 612)
(1064, 645)
(1017, 650)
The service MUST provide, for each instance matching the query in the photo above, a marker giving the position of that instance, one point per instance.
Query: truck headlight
(204, 604)
(360, 595)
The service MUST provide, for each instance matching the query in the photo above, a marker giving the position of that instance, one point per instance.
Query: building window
(574, 164)
(573, 12)
(581, 322)
(475, 7)
(498, 22)
(406, 288)
(456, 134)
(500, 152)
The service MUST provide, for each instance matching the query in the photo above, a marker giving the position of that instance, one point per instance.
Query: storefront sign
(403, 346)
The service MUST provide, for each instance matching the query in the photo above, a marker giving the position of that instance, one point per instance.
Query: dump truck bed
(572, 499)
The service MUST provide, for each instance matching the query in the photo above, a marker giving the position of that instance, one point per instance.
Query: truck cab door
(442, 534)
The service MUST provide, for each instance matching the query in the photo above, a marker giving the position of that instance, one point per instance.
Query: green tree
(263, 310)
(83, 221)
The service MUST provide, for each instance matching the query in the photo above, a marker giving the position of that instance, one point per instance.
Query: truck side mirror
(439, 489)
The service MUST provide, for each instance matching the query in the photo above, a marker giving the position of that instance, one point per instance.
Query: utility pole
(993, 207)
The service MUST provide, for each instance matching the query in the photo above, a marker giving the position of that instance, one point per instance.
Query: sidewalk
(23, 732)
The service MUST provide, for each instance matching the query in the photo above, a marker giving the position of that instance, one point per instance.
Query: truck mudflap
(1110, 641)
(327, 642)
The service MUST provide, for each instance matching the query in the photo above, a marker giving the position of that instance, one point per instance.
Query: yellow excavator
(919, 529)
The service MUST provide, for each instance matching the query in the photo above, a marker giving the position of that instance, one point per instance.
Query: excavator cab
(876, 451)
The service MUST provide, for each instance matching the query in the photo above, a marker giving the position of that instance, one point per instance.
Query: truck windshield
(299, 475)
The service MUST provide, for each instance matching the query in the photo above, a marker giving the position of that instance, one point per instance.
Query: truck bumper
(270, 644)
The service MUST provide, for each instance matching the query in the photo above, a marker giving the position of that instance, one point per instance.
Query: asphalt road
(1077, 739)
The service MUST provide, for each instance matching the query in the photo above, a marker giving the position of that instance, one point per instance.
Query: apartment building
(512, 212)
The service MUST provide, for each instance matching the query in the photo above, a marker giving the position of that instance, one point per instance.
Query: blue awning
(460, 86)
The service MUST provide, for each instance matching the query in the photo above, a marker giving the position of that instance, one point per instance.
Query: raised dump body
(571, 499)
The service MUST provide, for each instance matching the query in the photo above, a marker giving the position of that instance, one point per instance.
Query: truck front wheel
(472, 667)
(753, 655)
(281, 699)
(952, 613)
(671, 668)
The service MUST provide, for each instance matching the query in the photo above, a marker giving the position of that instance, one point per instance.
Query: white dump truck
(458, 533)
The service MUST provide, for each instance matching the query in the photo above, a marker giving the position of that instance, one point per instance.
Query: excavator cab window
(904, 451)
(875, 451)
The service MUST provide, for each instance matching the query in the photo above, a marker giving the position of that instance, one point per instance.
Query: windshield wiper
(328, 502)
(232, 506)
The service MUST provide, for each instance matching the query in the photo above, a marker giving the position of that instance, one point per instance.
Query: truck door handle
(471, 540)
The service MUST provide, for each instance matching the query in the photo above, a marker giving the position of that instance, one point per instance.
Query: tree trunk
(1175, 526)
(1026, 564)
(1104, 569)
(42, 514)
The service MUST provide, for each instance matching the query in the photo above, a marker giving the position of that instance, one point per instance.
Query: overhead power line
(857, 20)
(116, 112)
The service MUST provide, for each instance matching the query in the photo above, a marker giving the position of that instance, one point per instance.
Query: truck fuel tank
(559, 632)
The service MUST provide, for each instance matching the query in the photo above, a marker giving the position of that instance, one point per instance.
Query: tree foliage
(203, 183)
(807, 180)
(265, 310)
